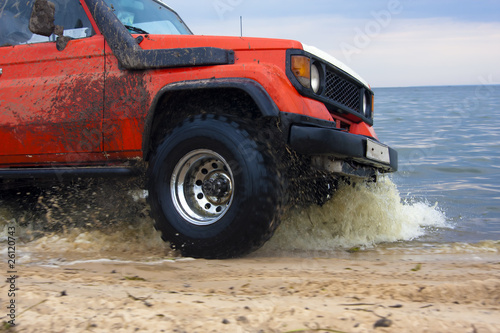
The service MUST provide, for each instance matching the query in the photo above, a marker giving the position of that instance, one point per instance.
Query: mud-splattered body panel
(51, 101)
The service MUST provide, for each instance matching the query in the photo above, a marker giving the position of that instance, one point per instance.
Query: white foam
(363, 215)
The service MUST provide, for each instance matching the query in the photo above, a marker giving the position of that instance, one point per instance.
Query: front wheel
(214, 188)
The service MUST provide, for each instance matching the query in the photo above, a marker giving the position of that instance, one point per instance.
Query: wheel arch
(210, 92)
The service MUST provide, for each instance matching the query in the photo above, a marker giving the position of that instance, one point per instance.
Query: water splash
(107, 220)
(361, 215)
(94, 218)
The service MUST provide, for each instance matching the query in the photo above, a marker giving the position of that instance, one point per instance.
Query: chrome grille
(342, 91)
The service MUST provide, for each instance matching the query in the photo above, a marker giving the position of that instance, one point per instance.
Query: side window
(15, 16)
(72, 17)
(14, 19)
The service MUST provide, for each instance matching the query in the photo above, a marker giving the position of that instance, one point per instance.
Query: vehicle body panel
(51, 101)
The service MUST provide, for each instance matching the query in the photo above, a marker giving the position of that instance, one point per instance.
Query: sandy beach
(124, 278)
(380, 293)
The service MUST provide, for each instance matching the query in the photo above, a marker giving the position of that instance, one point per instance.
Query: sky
(390, 43)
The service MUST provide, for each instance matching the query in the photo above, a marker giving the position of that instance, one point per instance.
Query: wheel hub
(202, 187)
(217, 186)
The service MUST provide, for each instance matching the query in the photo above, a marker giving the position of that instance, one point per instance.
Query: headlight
(368, 105)
(315, 78)
(306, 73)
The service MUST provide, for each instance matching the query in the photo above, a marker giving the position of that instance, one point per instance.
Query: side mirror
(42, 18)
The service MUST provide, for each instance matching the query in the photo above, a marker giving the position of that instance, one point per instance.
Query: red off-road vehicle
(230, 130)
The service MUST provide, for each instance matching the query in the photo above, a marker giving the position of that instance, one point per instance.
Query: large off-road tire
(214, 189)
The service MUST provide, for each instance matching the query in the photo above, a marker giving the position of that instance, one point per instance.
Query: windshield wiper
(136, 29)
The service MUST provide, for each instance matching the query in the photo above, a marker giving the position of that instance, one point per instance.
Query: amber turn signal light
(301, 68)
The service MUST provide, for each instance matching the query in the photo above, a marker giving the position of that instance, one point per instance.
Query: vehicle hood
(152, 42)
(242, 44)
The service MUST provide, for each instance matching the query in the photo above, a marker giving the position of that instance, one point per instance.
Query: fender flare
(255, 90)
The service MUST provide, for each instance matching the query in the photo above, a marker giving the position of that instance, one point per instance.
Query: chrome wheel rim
(202, 187)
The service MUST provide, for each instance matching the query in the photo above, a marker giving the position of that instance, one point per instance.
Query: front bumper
(338, 145)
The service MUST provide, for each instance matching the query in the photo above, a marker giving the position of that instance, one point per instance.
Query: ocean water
(448, 140)
(445, 198)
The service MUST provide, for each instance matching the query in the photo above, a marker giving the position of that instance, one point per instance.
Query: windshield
(148, 17)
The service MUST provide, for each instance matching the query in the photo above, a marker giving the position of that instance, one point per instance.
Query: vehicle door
(51, 88)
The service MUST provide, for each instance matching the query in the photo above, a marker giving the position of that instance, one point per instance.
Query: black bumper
(312, 140)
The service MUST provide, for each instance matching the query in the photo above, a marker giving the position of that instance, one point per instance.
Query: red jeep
(228, 130)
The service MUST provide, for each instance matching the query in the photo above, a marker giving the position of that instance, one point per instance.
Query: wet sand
(352, 293)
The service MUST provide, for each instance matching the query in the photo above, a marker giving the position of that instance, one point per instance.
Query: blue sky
(388, 42)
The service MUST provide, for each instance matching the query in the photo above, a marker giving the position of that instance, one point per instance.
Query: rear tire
(214, 188)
